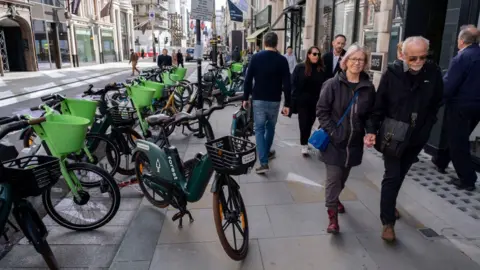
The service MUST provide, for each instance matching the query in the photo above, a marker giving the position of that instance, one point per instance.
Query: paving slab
(315, 252)
(203, 256)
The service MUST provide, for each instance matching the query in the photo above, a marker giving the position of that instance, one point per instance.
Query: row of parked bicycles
(79, 152)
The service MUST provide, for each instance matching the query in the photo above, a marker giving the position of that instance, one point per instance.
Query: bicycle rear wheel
(101, 194)
(229, 212)
(126, 145)
(142, 166)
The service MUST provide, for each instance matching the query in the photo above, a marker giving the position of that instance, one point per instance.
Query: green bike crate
(180, 72)
(169, 81)
(237, 67)
(157, 86)
(80, 107)
(142, 96)
(66, 133)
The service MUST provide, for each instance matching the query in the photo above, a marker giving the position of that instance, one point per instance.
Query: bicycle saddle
(163, 119)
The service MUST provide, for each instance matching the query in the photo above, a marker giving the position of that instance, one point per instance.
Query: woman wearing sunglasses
(307, 80)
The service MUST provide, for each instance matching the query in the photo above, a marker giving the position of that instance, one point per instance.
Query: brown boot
(333, 227)
(388, 233)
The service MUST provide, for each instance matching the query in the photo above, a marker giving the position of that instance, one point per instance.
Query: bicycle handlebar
(11, 119)
(18, 125)
(49, 103)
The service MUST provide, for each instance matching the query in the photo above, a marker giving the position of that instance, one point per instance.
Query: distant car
(189, 54)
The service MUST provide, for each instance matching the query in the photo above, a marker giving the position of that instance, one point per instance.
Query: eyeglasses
(416, 58)
(315, 54)
(357, 60)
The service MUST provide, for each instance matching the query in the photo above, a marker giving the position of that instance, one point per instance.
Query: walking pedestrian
(307, 81)
(143, 53)
(406, 106)
(350, 86)
(332, 59)
(180, 58)
(462, 98)
(272, 76)
(220, 58)
(257, 49)
(236, 57)
(164, 59)
(174, 58)
(134, 62)
(291, 59)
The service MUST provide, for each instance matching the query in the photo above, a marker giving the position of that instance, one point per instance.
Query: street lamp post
(200, 133)
(214, 34)
(152, 20)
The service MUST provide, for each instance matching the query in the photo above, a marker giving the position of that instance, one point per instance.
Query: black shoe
(272, 154)
(459, 184)
(441, 170)
(416, 160)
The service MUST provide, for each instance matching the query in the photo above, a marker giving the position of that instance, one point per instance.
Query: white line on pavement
(38, 87)
(45, 92)
(70, 80)
(2, 83)
(5, 94)
(54, 74)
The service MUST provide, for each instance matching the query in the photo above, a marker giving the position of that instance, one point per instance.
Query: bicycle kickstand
(180, 215)
(183, 130)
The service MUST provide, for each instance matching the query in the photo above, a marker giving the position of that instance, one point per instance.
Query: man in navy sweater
(271, 73)
(462, 98)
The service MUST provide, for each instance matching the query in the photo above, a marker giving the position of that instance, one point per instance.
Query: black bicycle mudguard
(5, 204)
(30, 222)
(219, 180)
(24, 132)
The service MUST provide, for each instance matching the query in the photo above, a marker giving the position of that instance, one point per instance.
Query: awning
(254, 35)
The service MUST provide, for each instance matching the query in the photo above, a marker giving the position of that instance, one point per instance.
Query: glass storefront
(108, 48)
(63, 44)
(85, 47)
(345, 16)
(41, 45)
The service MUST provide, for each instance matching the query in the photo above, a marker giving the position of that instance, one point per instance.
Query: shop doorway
(14, 44)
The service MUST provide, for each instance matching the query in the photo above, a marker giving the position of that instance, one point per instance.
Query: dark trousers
(443, 158)
(459, 126)
(181, 64)
(306, 119)
(396, 169)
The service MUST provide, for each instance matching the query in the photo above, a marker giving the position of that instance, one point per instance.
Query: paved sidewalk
(287, 221)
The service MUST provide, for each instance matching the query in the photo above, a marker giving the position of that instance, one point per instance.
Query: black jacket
(330, 70)
(179, 57)
(398, 98)
(236, 57)
(164, 60)
(346, 141)
(302, 90)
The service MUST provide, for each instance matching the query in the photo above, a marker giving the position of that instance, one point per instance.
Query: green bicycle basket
(66, 133)
(79, 107)
(180, 72)
(142, 96)
(169, 81)
(155, 85)
(237, 67)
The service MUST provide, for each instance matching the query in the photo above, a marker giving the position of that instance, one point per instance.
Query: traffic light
(156, 40)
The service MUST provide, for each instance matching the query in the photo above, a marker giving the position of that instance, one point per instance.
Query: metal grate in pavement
(424, 174)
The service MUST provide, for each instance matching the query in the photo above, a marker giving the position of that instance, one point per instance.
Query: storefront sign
(377, 62)
(83, 31)
(236, 14)
(47, 13)
(202, 10)
(263, 18)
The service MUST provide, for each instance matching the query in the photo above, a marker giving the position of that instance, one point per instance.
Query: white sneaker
(305, 150)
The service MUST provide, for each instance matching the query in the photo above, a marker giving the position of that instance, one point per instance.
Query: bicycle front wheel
(96, 204)
(230, 216)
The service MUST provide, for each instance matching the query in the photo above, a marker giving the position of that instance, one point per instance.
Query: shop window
(85, 49)
(41, 45)
(63, 44)
(345, 16)
(108, 48)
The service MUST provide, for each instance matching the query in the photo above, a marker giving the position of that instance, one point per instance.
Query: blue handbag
(320, 138)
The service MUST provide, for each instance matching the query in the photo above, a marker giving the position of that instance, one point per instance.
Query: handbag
(393, 137)
(320, 137)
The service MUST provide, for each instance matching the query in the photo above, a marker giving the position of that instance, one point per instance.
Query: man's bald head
(468, 35)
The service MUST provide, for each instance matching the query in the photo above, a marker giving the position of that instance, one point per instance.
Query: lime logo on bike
(143, 146)
(158, 165)
(248, 158)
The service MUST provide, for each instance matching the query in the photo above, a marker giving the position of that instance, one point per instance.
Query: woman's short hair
(354, 48)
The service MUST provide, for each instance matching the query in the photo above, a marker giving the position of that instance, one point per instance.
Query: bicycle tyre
(131, 136)
(171, 128)
(218, 206)
(139, 159)
(112, 185)
(113, 158)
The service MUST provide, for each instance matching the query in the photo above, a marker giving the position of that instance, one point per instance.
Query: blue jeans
(265, 114)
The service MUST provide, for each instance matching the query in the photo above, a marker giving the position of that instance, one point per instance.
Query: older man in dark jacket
(406, 105)
(462, 97)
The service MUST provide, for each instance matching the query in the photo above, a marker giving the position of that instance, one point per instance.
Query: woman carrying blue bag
(345, 104)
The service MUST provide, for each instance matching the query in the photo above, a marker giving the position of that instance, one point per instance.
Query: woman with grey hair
(345, 104)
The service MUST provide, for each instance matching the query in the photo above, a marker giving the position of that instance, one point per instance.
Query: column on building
(309, 29)
(131, 30)
(383, 26)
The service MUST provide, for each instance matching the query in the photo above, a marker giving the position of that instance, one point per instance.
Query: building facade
(145, 36)
(17, 47)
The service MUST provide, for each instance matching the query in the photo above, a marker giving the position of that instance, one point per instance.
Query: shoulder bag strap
(348, 109)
